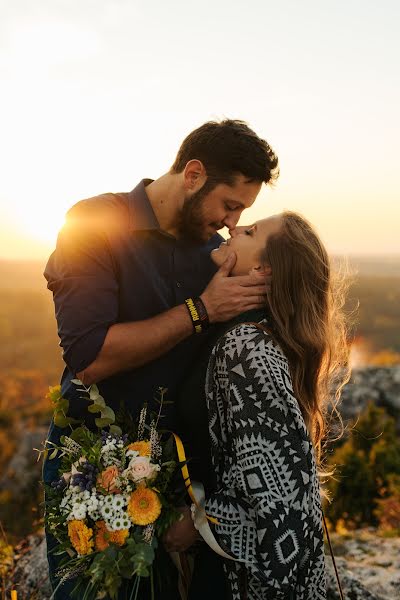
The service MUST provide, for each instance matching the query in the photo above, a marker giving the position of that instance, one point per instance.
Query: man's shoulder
(99, 212)
(108, 202)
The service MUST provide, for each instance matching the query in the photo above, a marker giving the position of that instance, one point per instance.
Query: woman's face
(247, 243)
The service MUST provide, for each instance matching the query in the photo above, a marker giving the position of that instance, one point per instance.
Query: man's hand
(226, 297)
(182, 534)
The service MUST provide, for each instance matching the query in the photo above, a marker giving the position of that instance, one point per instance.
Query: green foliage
(364, 463)
(61, 407)
(388, 507)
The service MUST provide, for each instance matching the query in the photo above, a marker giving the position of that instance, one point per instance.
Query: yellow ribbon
(185, 474)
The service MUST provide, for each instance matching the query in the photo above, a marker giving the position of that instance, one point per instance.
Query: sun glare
(42, 226)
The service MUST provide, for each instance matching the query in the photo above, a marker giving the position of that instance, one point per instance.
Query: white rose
(140, 468)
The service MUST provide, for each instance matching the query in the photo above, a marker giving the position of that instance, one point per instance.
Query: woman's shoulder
(248, 337)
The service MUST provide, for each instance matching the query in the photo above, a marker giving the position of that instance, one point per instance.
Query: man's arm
(131, 345)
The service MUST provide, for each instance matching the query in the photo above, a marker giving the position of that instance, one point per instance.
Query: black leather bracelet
(202, 312)
(194, 315)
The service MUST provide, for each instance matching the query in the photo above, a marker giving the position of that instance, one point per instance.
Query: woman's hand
(182, 534)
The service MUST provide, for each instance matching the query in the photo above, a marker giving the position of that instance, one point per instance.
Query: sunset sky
(97, 94)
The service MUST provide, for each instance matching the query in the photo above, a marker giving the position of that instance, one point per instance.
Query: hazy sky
(97, 94)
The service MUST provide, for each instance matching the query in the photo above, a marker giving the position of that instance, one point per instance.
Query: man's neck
(166, 198)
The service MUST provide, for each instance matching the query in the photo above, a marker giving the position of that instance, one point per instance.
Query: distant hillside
(18, 275)
(26, 309)
(376, 266)
(29, 274)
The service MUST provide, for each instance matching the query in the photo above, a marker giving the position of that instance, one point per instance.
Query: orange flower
(81, 537)
(143, 447)
(104, 537)
(107, 480)
(144, 506)
(119, 537)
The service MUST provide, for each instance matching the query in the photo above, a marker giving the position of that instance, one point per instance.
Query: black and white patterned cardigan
(267, 499)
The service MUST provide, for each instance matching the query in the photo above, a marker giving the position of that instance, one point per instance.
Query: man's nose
(230, 222)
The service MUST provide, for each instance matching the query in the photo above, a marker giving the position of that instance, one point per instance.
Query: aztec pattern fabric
(267, 501)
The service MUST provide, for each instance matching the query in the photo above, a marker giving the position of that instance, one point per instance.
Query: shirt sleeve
(82, 277)
(263, 507)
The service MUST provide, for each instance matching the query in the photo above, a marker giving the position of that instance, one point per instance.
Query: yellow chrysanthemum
(54, 393)
(144, 506)
(104, 537)
(143, 447)
(81, 537)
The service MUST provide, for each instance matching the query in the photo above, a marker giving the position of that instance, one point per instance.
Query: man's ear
(194, 175)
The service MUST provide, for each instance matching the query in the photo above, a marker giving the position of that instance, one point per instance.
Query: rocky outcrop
(369, 568)
(368, 565)
(30, 575)
(380, 385)
(23, 469)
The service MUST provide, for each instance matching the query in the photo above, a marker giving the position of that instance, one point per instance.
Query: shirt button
(178, 284)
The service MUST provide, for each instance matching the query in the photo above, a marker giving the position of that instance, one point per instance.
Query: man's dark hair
(227, 149)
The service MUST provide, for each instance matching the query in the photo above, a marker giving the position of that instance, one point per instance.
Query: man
(129, 268)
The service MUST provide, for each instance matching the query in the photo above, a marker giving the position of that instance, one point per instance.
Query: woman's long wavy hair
(306, 305)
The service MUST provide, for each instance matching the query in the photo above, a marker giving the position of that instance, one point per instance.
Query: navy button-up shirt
(113, 264)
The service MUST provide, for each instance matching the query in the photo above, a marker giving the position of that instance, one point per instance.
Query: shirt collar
(141, 213)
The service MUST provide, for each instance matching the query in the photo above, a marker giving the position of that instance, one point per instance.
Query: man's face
(205, 212)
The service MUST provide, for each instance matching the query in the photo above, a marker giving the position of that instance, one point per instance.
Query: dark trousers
(208, 581)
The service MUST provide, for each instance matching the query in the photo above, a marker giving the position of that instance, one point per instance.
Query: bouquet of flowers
(113, 499)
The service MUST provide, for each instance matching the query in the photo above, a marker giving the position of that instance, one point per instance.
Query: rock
(30, 577)
(352, 587)
(368, 568)
(372, 384)
(23, 469)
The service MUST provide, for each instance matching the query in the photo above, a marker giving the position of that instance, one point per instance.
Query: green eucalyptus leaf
(78, 435)
(103, 422)
(76, 381)
(60, 419)
(63, 404)
(94, 408)
(115, 430)
(100, 400)
(53, 454)
(94, 392)
(108, 413)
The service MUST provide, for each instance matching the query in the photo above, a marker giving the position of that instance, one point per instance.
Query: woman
(267, 389)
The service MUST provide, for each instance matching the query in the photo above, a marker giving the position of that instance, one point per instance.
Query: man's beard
(192, 225)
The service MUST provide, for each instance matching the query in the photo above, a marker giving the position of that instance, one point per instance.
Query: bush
(367, 463)
(388, 507)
